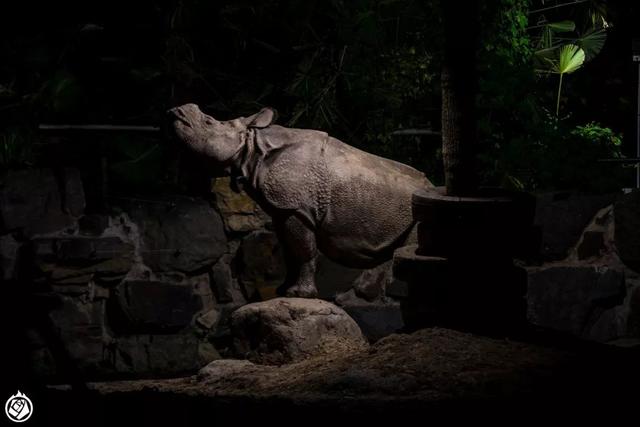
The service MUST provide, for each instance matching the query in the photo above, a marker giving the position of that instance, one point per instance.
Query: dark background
(357, 69)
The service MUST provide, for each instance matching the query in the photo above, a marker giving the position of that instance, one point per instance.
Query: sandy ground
(429, 364)
(434, 370)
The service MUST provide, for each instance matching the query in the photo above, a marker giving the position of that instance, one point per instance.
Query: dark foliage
(357, 69)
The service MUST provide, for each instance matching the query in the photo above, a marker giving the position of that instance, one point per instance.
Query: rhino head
(220, 140)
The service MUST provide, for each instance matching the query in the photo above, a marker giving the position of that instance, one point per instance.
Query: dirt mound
(431, 364)
(430, 372)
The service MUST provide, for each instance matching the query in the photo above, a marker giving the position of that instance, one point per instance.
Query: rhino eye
(208, 121)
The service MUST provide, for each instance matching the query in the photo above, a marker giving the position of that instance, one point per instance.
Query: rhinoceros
(322, 194)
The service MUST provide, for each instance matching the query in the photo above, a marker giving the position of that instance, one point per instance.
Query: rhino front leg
(300, 253)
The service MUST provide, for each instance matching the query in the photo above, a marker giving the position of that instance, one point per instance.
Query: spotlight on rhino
(322, 194)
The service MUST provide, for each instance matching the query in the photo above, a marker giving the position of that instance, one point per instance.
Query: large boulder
(562, 217)
(285, 330)
(38, 201)
(180, 234)
(627, 229)
(576, 299)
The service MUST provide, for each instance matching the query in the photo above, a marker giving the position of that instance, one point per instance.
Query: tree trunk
(459, 79)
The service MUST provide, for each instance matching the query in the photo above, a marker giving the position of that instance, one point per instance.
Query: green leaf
(547, 38)
(547, 54)
(592, 42)
(571, 59)
(562, 26)
(562, 60)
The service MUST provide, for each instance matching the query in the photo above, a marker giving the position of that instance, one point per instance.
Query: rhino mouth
(182, 122)
(176, 116)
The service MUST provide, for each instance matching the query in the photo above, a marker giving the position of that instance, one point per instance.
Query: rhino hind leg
(300, 253)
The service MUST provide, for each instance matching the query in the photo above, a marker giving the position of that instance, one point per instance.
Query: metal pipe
(415, 132)
(638, 131)
(118, 128)
(629, 160)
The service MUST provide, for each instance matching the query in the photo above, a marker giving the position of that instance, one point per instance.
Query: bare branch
(544, 9)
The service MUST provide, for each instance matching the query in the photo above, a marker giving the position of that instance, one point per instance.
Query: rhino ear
(262, 119)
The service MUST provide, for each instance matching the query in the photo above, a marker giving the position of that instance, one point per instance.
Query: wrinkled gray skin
(321, 193)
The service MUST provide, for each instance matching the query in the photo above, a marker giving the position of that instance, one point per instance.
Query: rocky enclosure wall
(148, 290)
(589, 285)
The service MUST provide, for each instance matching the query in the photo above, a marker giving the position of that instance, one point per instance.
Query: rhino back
(370, 161)
(359, 204)
(370, 204)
